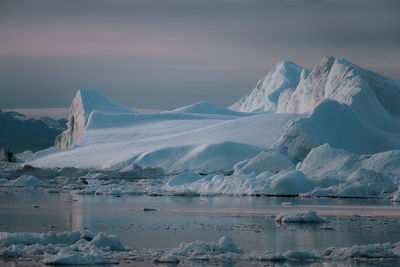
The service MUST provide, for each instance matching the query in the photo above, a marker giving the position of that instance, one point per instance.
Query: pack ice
(85, 248)
(331, 131)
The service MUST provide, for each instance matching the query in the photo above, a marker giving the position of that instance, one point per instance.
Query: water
(248, 220)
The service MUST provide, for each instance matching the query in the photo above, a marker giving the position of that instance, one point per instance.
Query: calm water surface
(248, 220)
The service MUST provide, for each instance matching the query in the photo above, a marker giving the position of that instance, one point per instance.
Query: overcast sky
(164, 54)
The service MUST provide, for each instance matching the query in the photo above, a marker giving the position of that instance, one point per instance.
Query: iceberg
(332, 131)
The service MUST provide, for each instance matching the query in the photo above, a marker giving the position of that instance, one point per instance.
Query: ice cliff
(83, 104)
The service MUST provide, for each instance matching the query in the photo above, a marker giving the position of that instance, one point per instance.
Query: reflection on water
(248, 220)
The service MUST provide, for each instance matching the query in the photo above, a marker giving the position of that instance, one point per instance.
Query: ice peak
(284, 76)
(287, 65)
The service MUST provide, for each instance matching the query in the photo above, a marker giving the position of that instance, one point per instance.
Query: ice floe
(84, 247)
(299, 217)
(78, 247)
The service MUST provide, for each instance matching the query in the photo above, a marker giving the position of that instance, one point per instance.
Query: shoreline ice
(84, 247)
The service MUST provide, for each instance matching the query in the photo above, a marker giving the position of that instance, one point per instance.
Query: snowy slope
(285, 76)
(200, 137)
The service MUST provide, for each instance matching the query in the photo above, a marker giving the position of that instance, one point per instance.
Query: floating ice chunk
(226, 244)
(78, 247)
(52, 191)
(102, 240)
(199, 250)
(270, 256)
(26, 181)
(299, 217)
(167, 259)
(300, 254)
(362, 251)
(68, 257)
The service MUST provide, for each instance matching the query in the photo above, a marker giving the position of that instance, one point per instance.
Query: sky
(169, 53)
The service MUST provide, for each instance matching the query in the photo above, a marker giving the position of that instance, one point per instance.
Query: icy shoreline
(84, 247)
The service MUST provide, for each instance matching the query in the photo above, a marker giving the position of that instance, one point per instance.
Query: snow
(299, 217)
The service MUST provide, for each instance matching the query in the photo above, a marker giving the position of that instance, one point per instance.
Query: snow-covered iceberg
(334, 131)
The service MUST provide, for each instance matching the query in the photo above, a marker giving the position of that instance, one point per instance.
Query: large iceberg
(333, 131)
